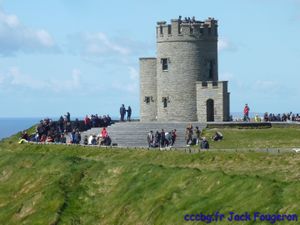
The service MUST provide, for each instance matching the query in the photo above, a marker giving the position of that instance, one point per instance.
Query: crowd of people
(193, 136)
(97, 121)
(187, 20)
(284, 117)
(101, 139)
(161, 139)
(66, 131)
(271, 117)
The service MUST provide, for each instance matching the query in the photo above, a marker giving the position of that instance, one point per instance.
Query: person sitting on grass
(218, 136)
(204, 144)
(85, 140)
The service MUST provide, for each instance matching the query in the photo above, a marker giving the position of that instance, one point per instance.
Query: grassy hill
(56, 184)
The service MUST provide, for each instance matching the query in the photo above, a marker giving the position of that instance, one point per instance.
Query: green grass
(255, 138)
(58, 184)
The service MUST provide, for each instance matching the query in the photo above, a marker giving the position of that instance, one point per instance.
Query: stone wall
(217, 91)
(148, 89)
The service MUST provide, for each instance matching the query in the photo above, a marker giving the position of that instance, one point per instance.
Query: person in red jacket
(246, 113)
(87, 122)
(104, 133)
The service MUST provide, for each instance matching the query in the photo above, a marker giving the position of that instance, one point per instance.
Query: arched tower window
(210, 110)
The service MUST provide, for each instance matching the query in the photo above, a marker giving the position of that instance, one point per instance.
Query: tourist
(85, 140)
(246, 113)
(72, 137)
(129, 111)
(162, 138)
(122, 112)
(204, 144)
(87, 122)
(198, 135)
(174, 136)
(150, 139)
(77, 137)
(189, 135)
(104, 133)
(68, 117)
(257, 118)
(218, 136)
(157, 139)
(63, 139)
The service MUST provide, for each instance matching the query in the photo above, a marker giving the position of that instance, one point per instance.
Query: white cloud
(99, 43)
(101, 50)
(45, 38)
(226, 45)
(66, 85)
(133, 74)
(269, 85)
(16, 37)
(132, 85)
(14, 79)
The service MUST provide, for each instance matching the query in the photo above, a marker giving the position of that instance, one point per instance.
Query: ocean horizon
(10, 126)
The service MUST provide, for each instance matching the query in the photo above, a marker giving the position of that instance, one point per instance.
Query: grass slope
(256, 138)
(51, 184)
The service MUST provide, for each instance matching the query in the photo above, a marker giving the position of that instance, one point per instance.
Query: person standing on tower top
(246, 113)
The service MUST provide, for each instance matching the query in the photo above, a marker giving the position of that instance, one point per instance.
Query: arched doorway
(210, 110)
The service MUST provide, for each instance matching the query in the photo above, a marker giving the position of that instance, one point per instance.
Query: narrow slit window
(147, 99)
(169, 29)
(164, 63)
(165, 101)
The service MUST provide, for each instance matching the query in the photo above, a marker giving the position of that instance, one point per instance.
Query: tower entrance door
(210, 110)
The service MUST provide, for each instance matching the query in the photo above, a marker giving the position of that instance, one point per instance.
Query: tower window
(169, 29)
(164, 62)
(165, 101)
(148, 99)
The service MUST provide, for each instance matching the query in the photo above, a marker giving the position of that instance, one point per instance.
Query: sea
(10, 126)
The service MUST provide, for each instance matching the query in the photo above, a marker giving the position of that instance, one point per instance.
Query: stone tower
(181, 84)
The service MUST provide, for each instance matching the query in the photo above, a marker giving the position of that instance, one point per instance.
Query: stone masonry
(181, 83)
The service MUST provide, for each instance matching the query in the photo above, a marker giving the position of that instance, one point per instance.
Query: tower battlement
(193, 29)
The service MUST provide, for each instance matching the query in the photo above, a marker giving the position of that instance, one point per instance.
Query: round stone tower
(187, 52)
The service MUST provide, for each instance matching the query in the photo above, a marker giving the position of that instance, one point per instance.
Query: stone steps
(134, 134)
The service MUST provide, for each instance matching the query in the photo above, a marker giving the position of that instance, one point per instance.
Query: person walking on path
(246, 113)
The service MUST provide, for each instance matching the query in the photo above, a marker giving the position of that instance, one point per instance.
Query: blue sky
(82, 56)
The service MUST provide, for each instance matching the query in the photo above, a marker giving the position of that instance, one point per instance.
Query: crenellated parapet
(187, 30)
